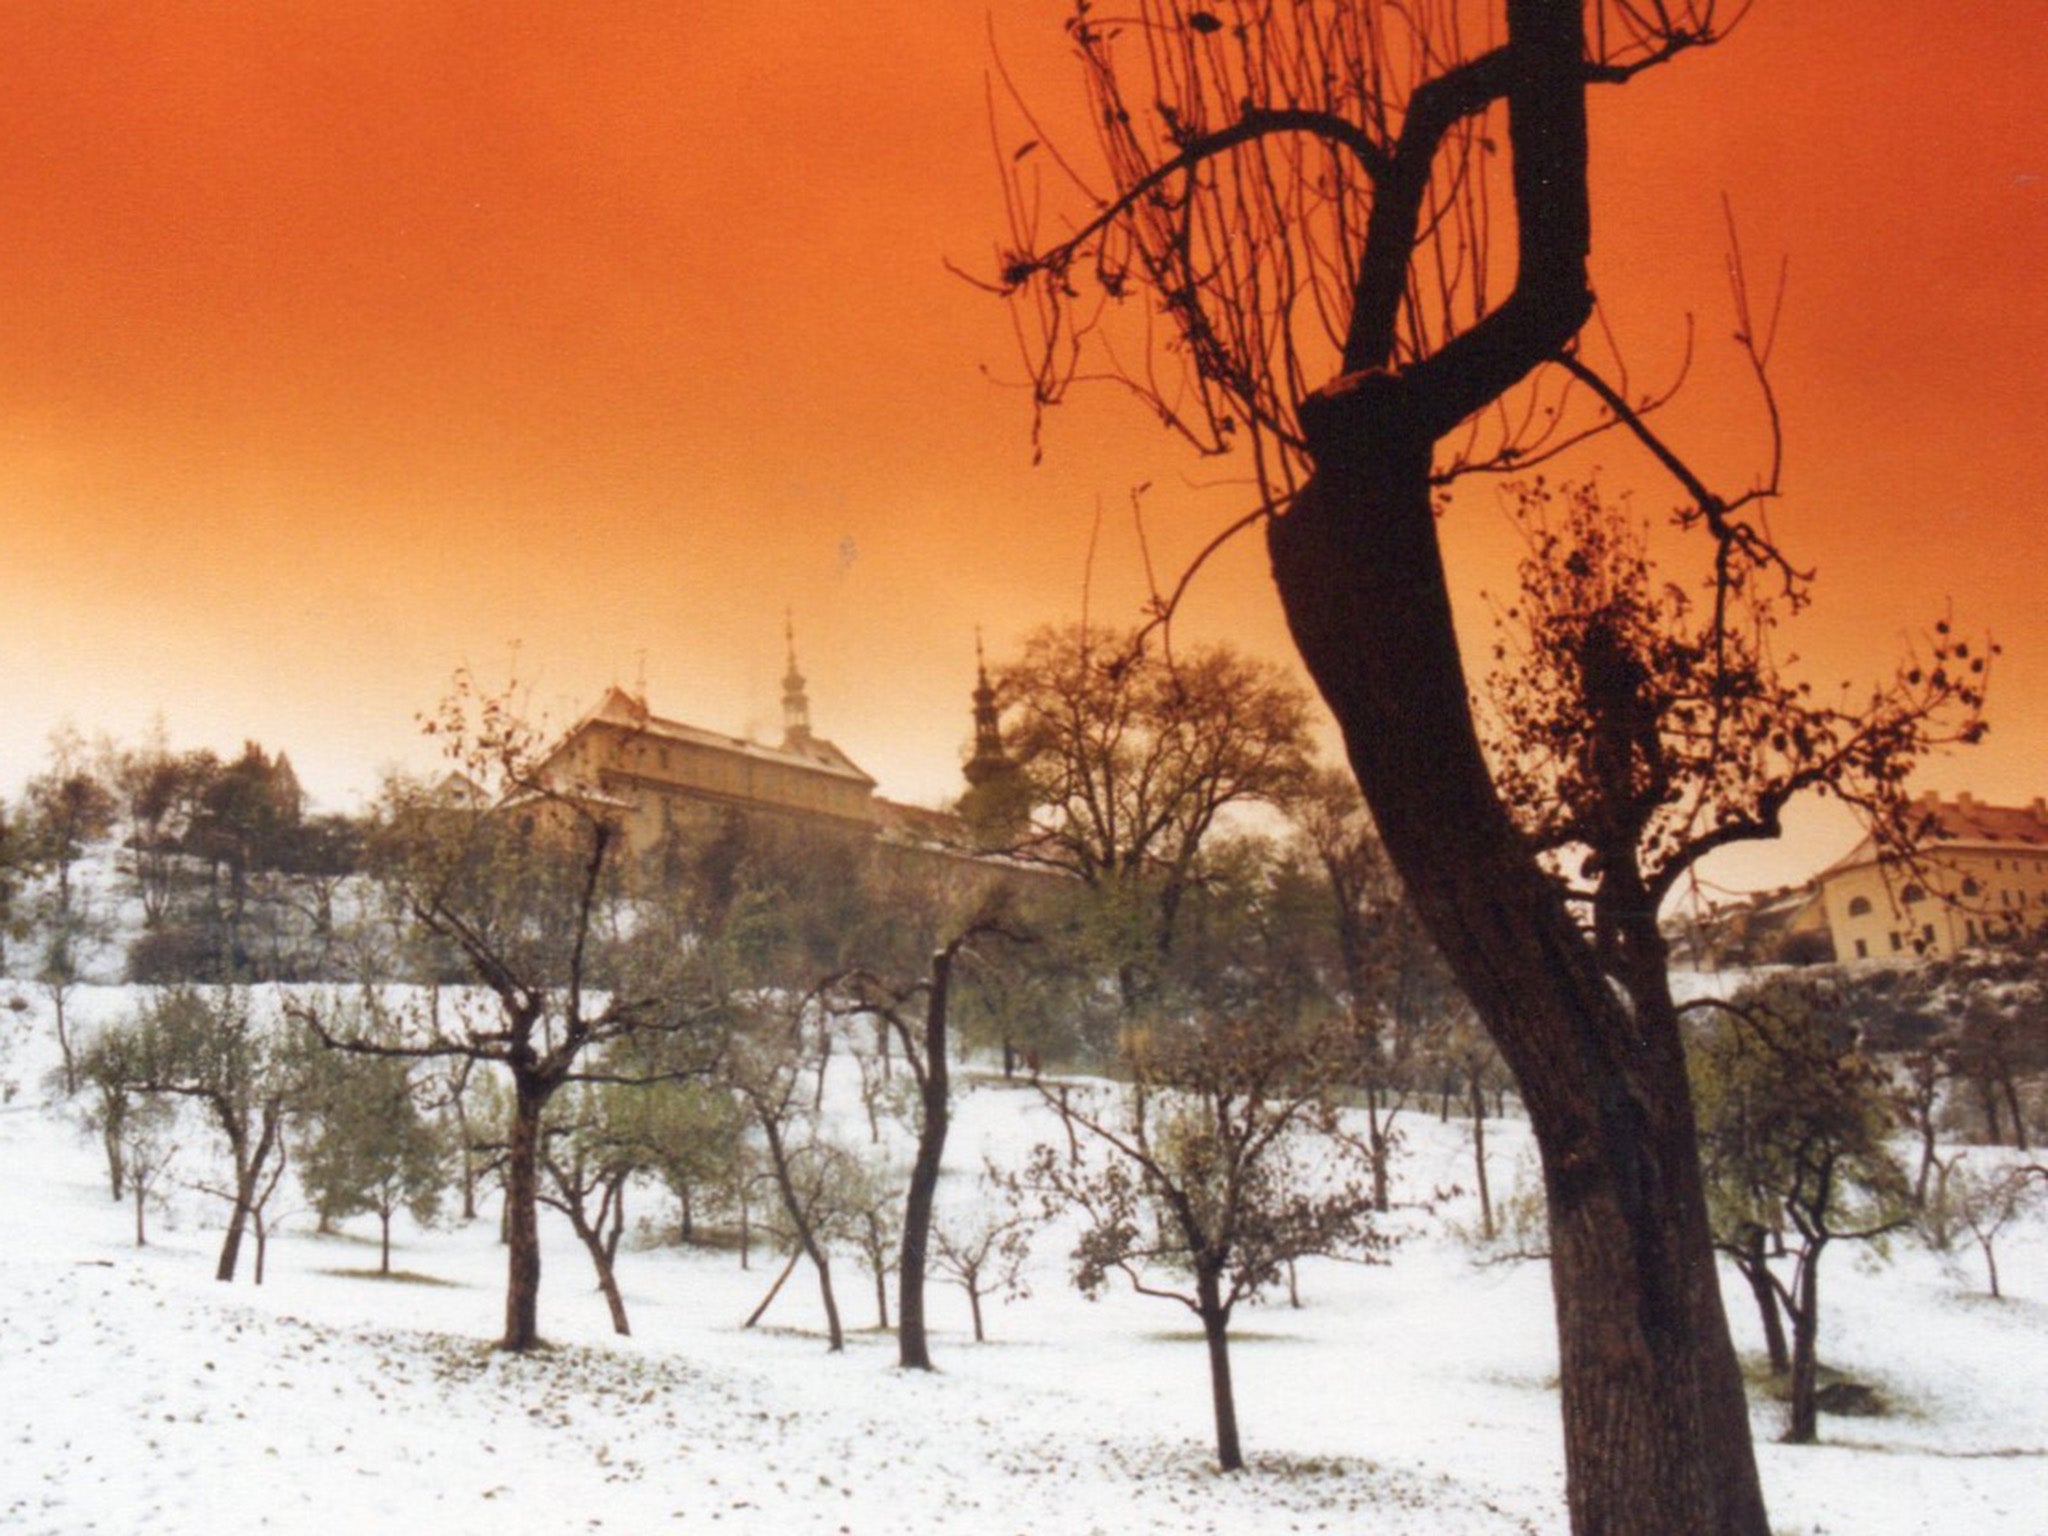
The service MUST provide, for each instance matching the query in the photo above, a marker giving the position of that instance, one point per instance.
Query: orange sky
(342, 341)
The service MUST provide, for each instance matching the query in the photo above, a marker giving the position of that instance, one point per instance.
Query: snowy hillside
(1415, 1397)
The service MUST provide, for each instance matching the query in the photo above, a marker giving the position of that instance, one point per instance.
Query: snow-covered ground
(139, 1396)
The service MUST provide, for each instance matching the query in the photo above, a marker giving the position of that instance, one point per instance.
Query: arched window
(1859, 906)
(1911, 894)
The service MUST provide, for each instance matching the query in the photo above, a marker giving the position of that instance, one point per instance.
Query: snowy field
(142, 1397)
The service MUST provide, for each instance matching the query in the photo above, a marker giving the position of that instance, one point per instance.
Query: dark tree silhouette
(1293, 219)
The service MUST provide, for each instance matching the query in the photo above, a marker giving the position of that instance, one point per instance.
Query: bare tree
(590, 1156)
(213, 1047)
(768, 1064)
(1394, 985)
(525, 891)
(963, 909)
(1193, 1184)
(1283, 248)
(1989, 1201)
(1796, 1123)
(983, 1249)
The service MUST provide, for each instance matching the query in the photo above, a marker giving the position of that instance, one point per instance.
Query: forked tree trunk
(1656, 1427)
(1802, 1426)
(250, 1163)
(805, 1231)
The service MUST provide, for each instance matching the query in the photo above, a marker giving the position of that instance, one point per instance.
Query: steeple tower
(997, 805)
(989, 759)
(796, 704)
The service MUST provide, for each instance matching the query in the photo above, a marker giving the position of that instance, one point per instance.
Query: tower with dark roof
(796, 703)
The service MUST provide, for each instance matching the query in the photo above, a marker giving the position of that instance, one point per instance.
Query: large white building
(1981, 876)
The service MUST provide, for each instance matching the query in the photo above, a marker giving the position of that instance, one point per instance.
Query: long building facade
(1981, 877)
(657, 774)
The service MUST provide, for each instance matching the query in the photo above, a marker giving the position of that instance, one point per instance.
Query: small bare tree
(1795, 1122)
(1989, 1201)
(983, 1249)
(1197, 1182)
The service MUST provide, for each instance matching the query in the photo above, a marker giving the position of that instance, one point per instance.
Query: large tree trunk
(934, 1093)
(522, 1216)
(1657, 1438)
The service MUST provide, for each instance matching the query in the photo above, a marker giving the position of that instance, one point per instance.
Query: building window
(1862, 950)
(1971, 887)
(1911, 894)
(1859, 906)
(1927, 933)
(1897, 943)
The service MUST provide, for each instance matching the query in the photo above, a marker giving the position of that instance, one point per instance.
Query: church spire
(989, 758)
(997, 806)
(796, 704)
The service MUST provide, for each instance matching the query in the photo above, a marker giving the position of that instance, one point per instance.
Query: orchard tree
(983, 1248)
(214, 1047)
(1196, 1184)
(527, 891)
(591, 1151)
(960, 909)
(1394, 986)
(1283, 246)
(137, 1132)
(1986, 1201)
(769, 1062)
(367, 1147)
(1796, 1124)
(1201, 1177)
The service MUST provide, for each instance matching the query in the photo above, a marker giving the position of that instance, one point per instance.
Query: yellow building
(1982, 875)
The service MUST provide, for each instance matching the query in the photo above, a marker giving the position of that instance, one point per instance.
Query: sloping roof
(621, 709)
(1962, 823)
(1966, 821)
